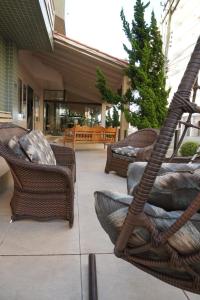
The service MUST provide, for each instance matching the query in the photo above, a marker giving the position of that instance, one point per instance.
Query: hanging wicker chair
(157, 256)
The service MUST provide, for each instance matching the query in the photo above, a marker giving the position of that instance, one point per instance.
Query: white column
(103, 114)
(123, 123)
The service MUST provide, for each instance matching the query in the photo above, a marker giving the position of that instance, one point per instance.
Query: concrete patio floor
(49, 261)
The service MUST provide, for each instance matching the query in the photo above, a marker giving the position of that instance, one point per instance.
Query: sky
(97, 23)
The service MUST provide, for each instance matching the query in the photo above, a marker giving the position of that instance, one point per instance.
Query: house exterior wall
(8, 76)
(180, 30)
(28, 80)
(3, 102)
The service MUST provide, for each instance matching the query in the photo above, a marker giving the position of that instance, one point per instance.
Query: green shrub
(189, 148)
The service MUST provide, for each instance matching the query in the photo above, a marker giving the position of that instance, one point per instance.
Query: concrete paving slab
(36, 260)
(91, 177)
(116, 280)
(27, 237)
(4, 228)
(192, 296)
(93, 238)
(40, 278)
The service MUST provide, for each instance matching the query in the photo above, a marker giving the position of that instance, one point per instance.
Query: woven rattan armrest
(64, 155)
(32, 176)
(144, 153)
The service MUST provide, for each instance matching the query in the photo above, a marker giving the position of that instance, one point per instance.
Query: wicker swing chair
(157, 256)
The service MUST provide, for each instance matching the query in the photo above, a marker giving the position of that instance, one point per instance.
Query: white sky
(97, 23)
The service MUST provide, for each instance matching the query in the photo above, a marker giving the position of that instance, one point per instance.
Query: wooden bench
(89, 135)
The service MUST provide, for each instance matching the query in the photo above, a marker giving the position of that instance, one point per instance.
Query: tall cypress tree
(108, 119)
(147, 97)
(115, 117)
(157, 73)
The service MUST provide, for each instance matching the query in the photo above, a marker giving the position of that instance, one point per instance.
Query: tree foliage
(146, 98)
(114, 119)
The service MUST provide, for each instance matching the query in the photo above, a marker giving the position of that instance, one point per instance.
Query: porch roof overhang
(28, 23)
(77, 63)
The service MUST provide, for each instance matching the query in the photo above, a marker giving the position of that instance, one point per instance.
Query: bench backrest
(98, 134)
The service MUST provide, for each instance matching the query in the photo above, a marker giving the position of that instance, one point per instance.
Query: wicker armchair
(144, 139)
(41, 192)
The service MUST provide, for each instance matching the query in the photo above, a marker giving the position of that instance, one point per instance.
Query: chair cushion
(175, 186)
(37, 148)
(126, 151)
(123, 157)
(182, 187)
(14, 145)
(112, 208)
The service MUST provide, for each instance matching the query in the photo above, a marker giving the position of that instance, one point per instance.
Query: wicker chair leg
(106, 170)
(71, 222)
(13, 218)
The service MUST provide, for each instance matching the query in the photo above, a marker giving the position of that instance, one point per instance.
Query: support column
(103, 114)
(123, 123)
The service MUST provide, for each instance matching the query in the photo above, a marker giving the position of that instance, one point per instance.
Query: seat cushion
(126, 151)
(14, 145)
(174, 188)
(37, 148)
(112, 208)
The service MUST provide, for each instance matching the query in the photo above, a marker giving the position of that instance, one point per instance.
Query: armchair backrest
(8, 130)
(142, 138)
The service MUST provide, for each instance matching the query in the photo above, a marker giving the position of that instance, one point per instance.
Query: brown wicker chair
(41, 192)
(144, 138)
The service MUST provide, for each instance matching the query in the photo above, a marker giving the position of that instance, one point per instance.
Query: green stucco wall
(8, 76)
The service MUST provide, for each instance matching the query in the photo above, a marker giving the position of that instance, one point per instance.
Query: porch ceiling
(77, 64)
(27, 24)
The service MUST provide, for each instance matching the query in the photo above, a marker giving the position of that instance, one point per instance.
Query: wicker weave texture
(144, 139)
(40, 191)
(164, 268)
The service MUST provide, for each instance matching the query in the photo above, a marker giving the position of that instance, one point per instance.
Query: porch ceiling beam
(84, 86)
(61, 63)
(84, 78)
(68, 72)
(73, 98)
(81, 59)
(83, 94)
(71, 61)
(83, 50)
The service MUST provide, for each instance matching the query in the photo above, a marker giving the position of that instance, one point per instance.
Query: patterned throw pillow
(112, 208)
(174, 188)
(127, 151)
(37, 148)
(14, 145)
